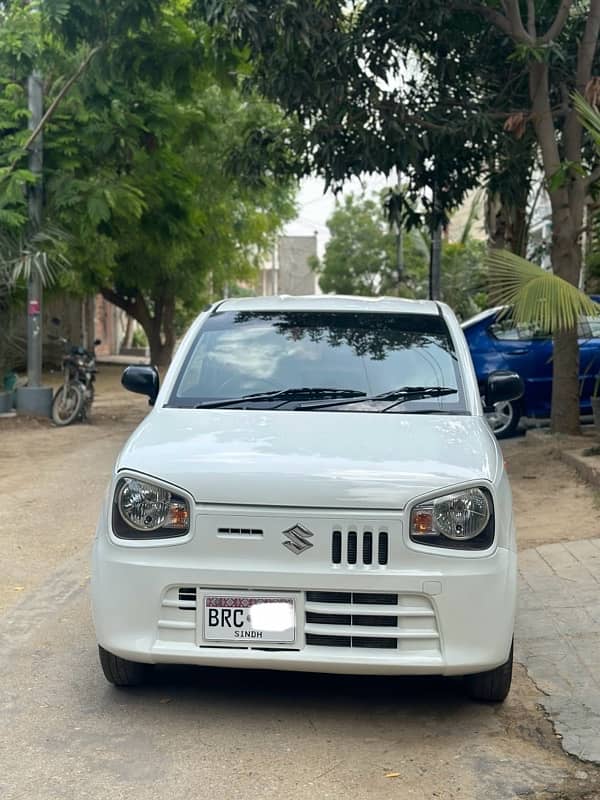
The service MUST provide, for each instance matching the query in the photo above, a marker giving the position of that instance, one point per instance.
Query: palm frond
(472, 217)
(536, 297)
(590, 116)
(41, 253)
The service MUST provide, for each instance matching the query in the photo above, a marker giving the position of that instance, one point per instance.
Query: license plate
(250, 619)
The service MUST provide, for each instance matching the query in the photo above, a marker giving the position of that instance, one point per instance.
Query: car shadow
(270, 691)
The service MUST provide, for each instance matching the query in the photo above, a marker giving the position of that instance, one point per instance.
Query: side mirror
(503, 386)
(55, 321)
(142, 379)
(97, 342)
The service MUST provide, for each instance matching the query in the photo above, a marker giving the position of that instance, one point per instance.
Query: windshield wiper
(396, 396)
(285, 395)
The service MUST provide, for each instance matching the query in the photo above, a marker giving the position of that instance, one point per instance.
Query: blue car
(498, 343)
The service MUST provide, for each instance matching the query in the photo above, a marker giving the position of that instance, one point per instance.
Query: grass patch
(591, 451)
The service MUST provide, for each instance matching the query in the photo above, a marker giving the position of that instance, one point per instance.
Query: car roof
(327, 302)
(489, 312)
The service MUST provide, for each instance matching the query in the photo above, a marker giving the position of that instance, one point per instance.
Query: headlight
(142, 510)
(462, 520)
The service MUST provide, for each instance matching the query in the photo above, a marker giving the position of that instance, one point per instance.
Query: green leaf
(536, 296)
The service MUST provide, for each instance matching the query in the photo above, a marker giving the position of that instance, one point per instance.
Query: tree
(411, 85)
(360, 256)
(138, 163)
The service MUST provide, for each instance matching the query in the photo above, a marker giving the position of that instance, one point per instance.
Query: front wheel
(492, 686)
(120, 671)
(504, 419)
(67, 404)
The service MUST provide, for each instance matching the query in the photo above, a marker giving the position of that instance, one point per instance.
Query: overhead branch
(511, 25)
(51, 109)
(573, 130)
(531, 19)
(588, 45)
(559, 22)
(513, 12)
(118, 300)
(593, 177)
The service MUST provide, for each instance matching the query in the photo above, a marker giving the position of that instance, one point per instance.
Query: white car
(316, 488)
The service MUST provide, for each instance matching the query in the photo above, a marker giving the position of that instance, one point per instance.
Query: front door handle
(519, 352)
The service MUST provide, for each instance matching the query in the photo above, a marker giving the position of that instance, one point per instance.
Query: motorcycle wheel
(67, 406)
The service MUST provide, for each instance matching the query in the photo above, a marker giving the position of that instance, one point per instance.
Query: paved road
(227, 734)
(558, 632)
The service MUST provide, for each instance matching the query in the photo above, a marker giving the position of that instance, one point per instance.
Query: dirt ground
(551, 502)
(52, 481)
(317, 736)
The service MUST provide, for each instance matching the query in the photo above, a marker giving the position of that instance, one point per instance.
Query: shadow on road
(264, 689)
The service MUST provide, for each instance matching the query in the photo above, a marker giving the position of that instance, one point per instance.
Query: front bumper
(452, 615)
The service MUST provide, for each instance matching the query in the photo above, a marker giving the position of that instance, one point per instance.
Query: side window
(507, 330)
(589, 328)
(504, 330)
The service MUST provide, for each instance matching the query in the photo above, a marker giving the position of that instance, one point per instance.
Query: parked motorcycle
(74, 398)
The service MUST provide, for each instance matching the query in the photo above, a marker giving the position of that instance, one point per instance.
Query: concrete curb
(587, 467)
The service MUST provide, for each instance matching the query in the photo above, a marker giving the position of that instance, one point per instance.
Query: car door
(527, 351)
(589, 360)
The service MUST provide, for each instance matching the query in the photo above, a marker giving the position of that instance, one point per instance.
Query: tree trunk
(159, 327)
(128, 335)
(160, 330)
(568, 199)
(160, 352)
(566, 252)
(566, 262)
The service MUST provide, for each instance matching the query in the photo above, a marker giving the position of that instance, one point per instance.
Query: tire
(121, 672)
(66, 408)
(88, 399)
(492, 686)
(504, 420)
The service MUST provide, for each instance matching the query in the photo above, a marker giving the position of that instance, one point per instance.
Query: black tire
(492, 686)
(505, 421)
(122, 672)
(67, 408)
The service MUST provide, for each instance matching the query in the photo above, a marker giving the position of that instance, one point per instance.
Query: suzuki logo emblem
(297, 539)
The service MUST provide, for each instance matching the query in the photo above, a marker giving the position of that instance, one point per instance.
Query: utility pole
(399, 253)
(34, 290)
(399, 233)
(34, 398)
(436, 248)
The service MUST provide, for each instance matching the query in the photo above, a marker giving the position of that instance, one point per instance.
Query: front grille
(356, 547)
(187, 597)
(239, 532)
(375, 620)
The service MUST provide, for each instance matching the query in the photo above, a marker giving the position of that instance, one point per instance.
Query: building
(289, 269)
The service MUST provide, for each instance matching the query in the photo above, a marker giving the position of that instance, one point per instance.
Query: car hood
(310, 459)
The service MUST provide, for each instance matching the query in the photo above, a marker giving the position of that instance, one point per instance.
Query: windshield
(243, 353)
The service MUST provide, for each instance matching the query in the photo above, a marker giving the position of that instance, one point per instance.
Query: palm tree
(19, 259)
(536, 296)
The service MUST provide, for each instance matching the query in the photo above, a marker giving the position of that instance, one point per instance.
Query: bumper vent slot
(357, 548)
(371, 620)
(240, 532)
(187, 598)
(329, 597)
(328, 641)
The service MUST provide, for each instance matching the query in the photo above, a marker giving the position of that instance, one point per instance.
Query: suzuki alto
(316, 488)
